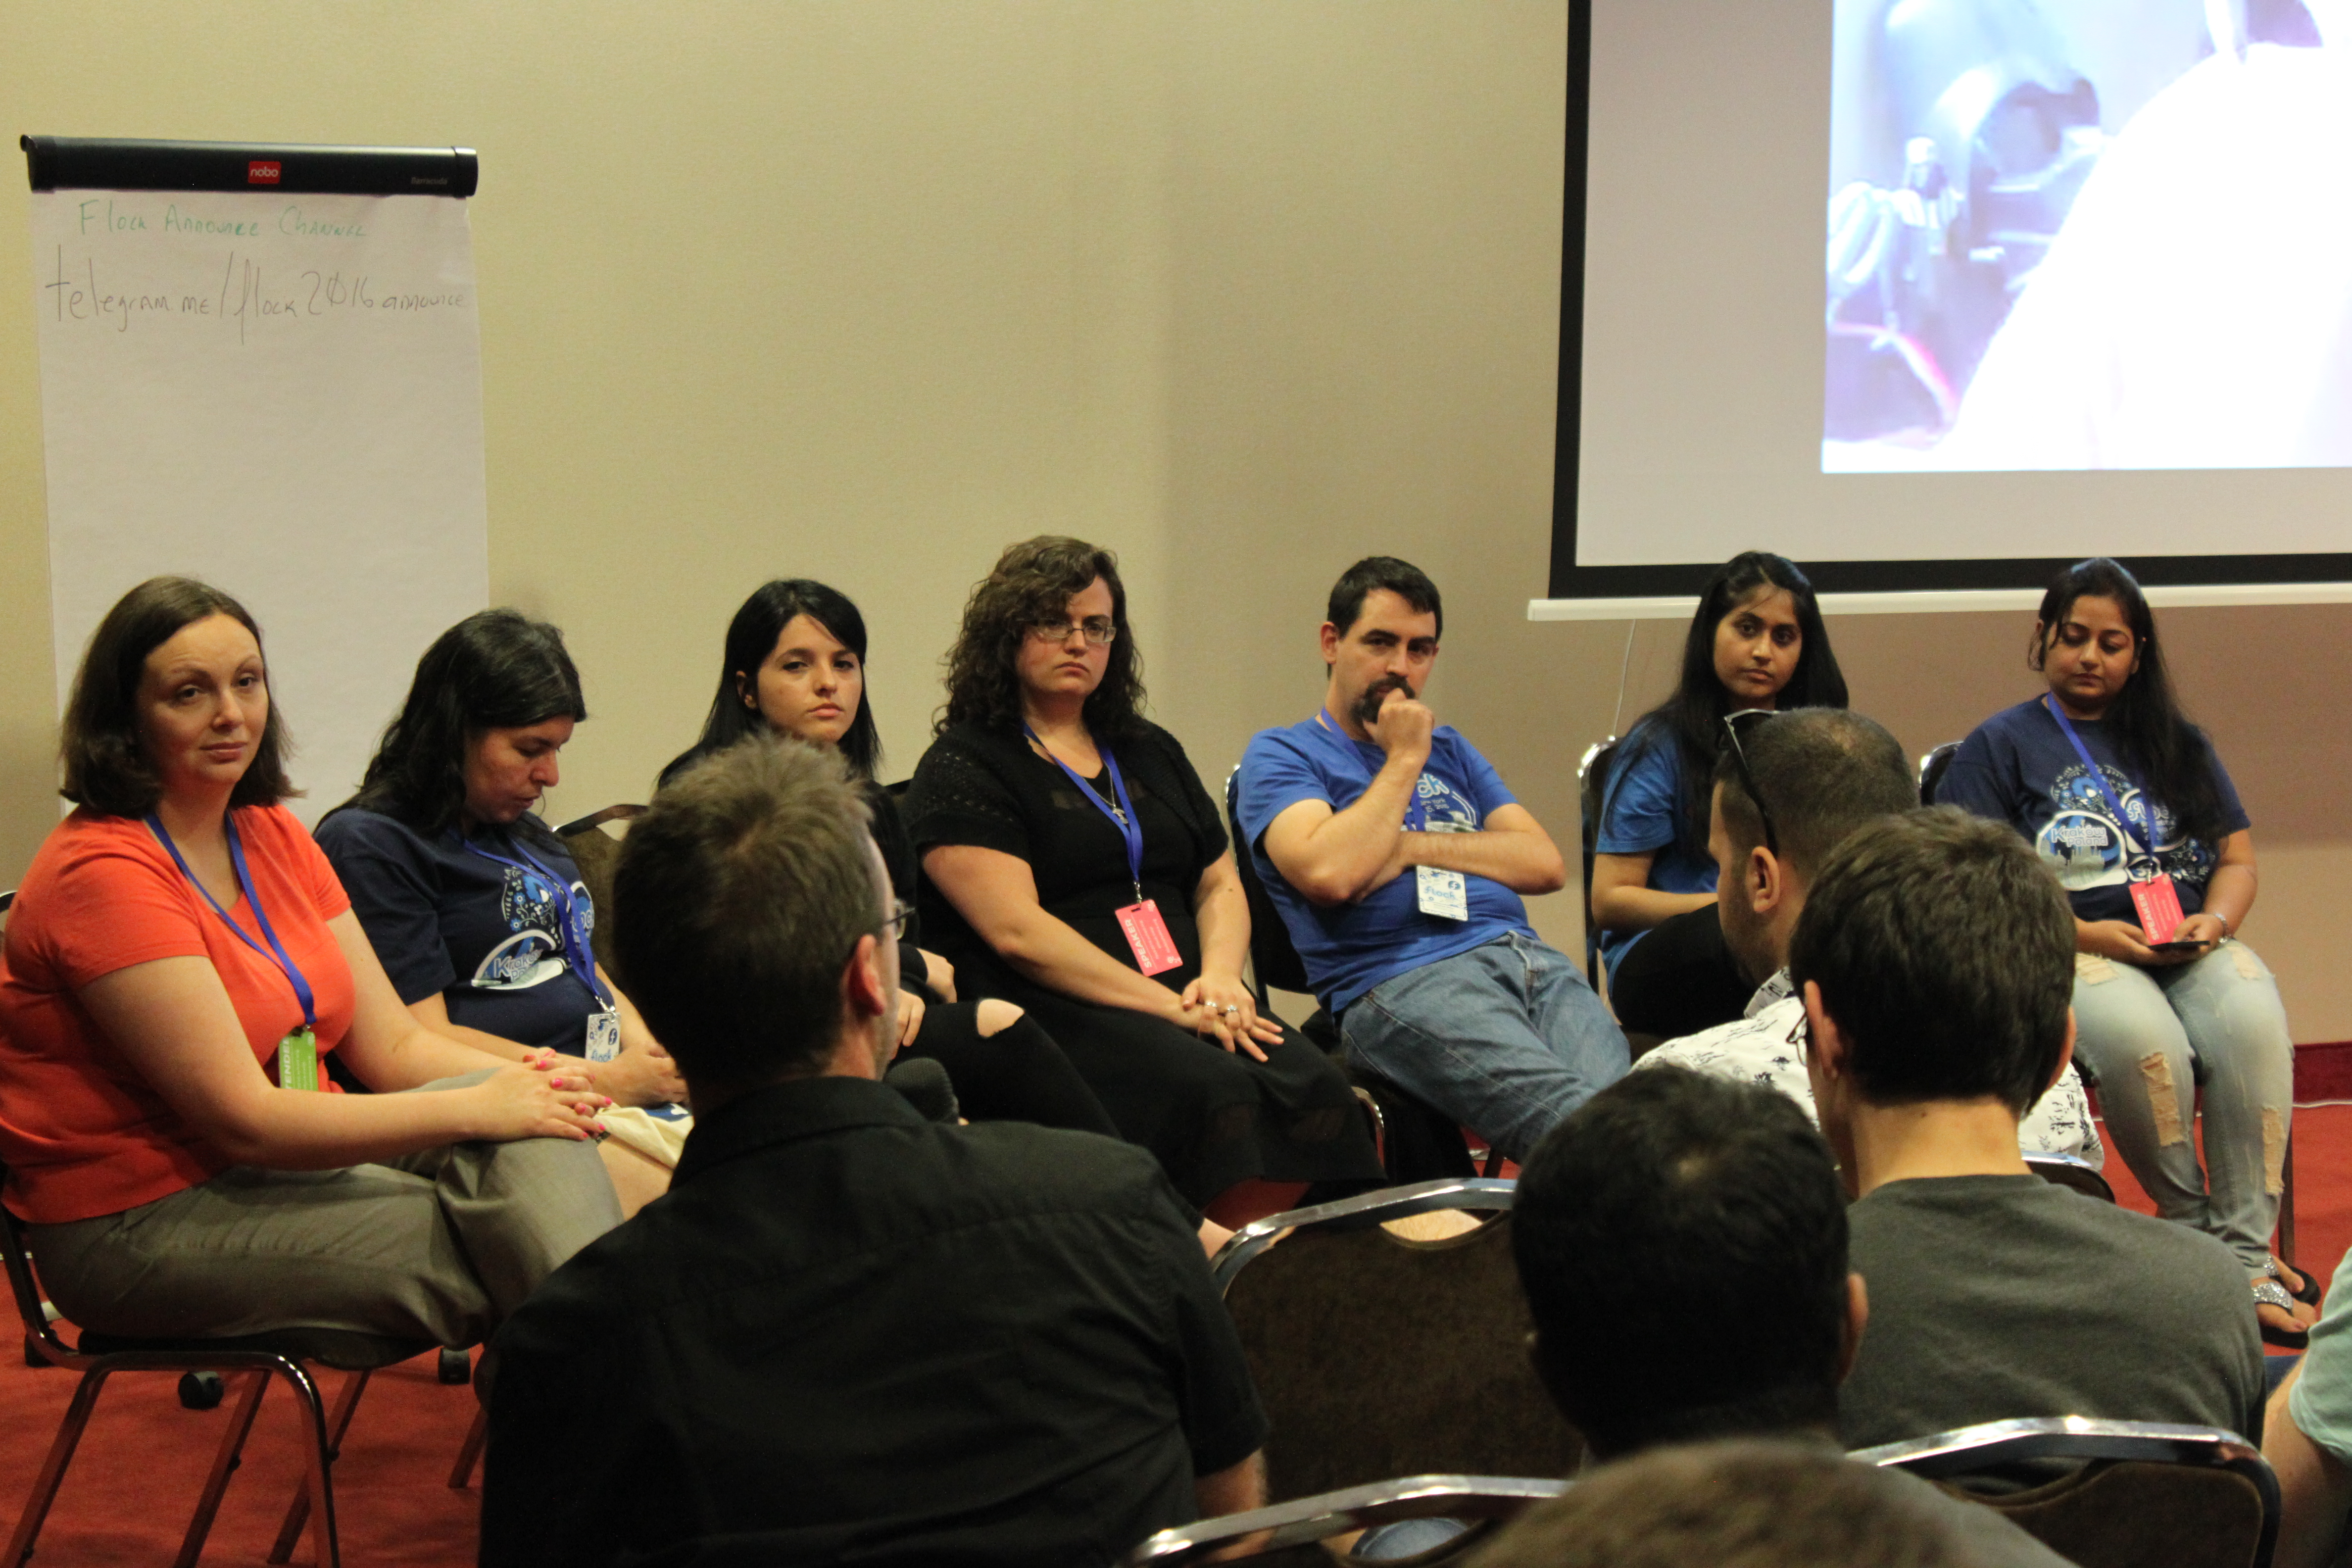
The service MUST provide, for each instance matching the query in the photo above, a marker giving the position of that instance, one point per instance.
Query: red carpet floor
(127, 1498)
(143, 1460)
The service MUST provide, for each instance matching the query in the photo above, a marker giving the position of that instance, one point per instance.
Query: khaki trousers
(440, 1245)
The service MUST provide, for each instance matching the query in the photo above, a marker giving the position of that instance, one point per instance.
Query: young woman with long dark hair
(1755, 641)
(2129, 806)
(795, 664)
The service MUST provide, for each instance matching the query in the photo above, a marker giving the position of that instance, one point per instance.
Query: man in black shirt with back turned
(848, 1334)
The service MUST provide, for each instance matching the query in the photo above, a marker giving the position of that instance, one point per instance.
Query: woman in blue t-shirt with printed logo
(2129, 808)
(1755, 642)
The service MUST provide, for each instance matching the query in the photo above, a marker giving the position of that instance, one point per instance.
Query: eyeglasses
(1098, 630)
(900, 912)
(1746, 779)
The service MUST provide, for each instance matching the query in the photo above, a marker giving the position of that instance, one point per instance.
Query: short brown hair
(1741, 1504)
(739, 896)
(1031, 581)
(100, 752)
(1945, 953)
(1823, 772)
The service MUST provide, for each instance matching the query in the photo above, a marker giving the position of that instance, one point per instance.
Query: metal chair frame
(1313, 1519)
(1967, 1449)
(1591, 784)
(1365, 1209)
(261, 1357)
(1933, 765)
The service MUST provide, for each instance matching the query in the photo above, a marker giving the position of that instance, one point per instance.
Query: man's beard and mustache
(1368, 706)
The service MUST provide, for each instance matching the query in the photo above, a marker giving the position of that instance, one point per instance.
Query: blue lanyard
(2123, 823)
(276, 950)
(577, 952)
(1122, 815)
(1416, 814)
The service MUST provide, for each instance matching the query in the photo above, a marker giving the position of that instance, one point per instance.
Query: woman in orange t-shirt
(179, 959)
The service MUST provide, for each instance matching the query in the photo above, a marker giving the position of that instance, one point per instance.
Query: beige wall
(864, 291)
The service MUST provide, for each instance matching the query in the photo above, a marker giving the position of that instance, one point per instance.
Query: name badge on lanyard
(602, 1038)
(2154, 899)
(1140, 922)
(297, 1053)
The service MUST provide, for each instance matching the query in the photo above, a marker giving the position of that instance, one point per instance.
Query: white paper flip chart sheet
(280, 394)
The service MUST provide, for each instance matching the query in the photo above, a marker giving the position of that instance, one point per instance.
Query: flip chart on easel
(278, 390)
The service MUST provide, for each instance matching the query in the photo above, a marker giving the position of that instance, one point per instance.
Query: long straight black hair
(2155, 739)
(1691, 719)
(750, 638)
(496, 669)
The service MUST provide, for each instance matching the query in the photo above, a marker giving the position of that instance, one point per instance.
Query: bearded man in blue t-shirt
(1397, 859)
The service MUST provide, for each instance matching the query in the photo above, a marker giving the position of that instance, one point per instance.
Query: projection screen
(1934, 296)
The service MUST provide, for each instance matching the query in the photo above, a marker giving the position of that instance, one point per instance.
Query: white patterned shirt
(1764, 1047)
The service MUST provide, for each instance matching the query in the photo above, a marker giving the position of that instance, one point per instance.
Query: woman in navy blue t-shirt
(471, 903)
(2129, 808)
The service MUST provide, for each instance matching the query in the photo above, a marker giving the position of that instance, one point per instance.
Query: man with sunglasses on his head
(1398, 859)
(1788, 788)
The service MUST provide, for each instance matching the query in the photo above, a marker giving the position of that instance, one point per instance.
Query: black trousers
(1679, 979)
(1017, 1074)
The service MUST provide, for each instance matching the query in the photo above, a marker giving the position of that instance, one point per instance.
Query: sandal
(2278, 1269)
(2269, 1292)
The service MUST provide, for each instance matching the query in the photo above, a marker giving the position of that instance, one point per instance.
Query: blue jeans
(2137, 1030)
(1505, 1039)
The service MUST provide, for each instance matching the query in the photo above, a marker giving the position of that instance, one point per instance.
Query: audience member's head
(1944, 957)
(1682, 1240)
(1734, 1505)
(1788, 788)
(484, 681)
(753, 917)
(107, 762)
(1028, 593)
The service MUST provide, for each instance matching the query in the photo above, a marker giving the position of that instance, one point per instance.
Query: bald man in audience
(848, 1334)
(1935, 960)
(1792, 789)
(1682, 1241)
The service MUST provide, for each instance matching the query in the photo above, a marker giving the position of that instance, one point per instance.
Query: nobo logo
(261, 174)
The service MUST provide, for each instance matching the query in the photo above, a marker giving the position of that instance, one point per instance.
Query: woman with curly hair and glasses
(1073, 863)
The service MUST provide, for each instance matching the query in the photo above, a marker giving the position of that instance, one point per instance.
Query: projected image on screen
(2089, 233)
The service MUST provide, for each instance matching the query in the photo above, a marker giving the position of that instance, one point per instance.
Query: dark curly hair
(100, 752)
(1034, 580)
(496, 669)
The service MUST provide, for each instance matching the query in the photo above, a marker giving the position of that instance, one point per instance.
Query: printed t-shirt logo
(534, 955)
(1446, 809)
(2084, 846)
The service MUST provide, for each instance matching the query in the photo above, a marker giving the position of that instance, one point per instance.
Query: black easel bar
(88, 162)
